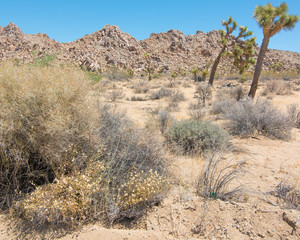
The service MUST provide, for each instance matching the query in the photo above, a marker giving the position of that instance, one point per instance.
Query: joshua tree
(149, 69)
(272, 20)
(195, 71)
(174, 75)
(242, 51)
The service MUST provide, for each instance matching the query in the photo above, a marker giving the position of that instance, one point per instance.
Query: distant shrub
(277, 87)
(177, 96)
(196, 111)
(116, 74)
(249, 117)
(164, 120)
(161, 93)
(204, 93)
(196, 137)
(235, 93)
(115, 95)
(137, 99)
(141, 87)
(44, 126)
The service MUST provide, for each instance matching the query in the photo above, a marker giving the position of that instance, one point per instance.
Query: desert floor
(184, 215)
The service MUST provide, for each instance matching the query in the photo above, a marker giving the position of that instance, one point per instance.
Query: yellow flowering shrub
(140, 187)
(68, 200)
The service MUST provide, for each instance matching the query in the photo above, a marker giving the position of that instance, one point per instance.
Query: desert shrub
(115, 74)
(218, 175)
(294, 115)
(203, 90)
(196, 111)
(277, 87)
(177, 96)
(65, 202)
(161, 93)
(141, 87)
(115, 95)
(235, 93)
(44, 126)
(195, 137)
(128, 150)
(249, 117)
(164, 120)
(43, 60)
(137, 98)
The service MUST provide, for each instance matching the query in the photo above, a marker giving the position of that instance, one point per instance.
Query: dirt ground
(184, 215)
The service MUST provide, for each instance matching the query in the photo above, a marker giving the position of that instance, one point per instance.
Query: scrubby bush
(177, 96)
(129, 153)
(141, 87)
(277, 87)
(115, 95)
(161, 93)
(196, 111)
(164, 120)
(196, 137)
(294, 115)
(44, 126)
(204, 92)
(249, 117)
(66, 202)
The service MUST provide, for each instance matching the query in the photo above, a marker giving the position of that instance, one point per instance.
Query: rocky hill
(111, 46)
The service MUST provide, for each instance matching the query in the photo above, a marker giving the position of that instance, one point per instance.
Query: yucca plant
(272, 20)
(195, 71)
(242, 51)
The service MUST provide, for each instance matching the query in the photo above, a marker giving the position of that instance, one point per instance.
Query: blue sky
(66, 20)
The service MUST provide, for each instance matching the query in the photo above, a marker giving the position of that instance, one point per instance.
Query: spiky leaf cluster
(274, 19)
(242, 51)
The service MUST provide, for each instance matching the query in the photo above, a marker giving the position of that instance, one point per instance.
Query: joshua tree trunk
(258, 67)
(215, 65)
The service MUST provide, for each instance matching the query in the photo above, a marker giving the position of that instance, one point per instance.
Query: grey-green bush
(196, 137)
(249, 117)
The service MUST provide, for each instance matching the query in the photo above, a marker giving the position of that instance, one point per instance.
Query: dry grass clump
(196, 137)
(289, 193)
(249, 117)
(44, 126)
(277, 87)
(218, 176)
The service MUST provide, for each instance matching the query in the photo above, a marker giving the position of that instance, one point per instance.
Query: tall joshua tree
(272, 20)
(242, 51)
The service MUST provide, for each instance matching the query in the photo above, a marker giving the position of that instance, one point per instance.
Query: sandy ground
(184, 215)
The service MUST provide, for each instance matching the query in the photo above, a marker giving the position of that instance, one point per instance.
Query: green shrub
(194, 137)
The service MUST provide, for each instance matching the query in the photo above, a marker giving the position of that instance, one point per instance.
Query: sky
(68, 20)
